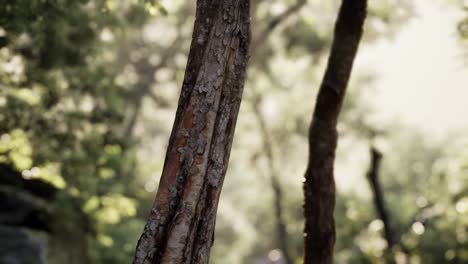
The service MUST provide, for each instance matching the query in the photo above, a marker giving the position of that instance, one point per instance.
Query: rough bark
(281, 231)
(180, 227)
(319, 185)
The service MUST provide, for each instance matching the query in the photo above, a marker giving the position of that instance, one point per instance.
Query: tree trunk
(379, 202)
(390, 234)
(281, 231)
(319, 185)
(180, 228)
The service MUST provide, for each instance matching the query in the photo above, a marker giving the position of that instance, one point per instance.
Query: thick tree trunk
(180, 227)
(319, 185)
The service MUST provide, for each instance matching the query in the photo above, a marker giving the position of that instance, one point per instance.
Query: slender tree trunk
(180, 228)
(379, 202)
(281, 231)
(390, 234)
(319, 185)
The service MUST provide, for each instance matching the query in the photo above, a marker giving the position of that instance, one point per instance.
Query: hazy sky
(422, 76)
(422, 82)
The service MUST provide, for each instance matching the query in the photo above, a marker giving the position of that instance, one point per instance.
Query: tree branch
(276, 21)
(146, 73)
(379, 202)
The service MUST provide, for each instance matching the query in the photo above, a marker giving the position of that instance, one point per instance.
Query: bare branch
(379, 202)
(276, 21)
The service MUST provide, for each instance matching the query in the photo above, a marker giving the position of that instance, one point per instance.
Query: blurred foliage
(88, 91)
(463, 25)
(62, 112)
(463, 28)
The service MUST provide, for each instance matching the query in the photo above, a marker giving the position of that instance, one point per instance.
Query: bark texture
(319, 185)
(180, 228)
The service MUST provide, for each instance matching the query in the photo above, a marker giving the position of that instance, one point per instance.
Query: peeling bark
(319, 185)
(180, 228)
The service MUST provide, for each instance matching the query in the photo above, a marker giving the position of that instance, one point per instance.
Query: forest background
(88, 91)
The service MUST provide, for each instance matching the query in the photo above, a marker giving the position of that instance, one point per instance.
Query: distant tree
(319, 185)
(379, 201)
(180, 228)
(275, 184)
